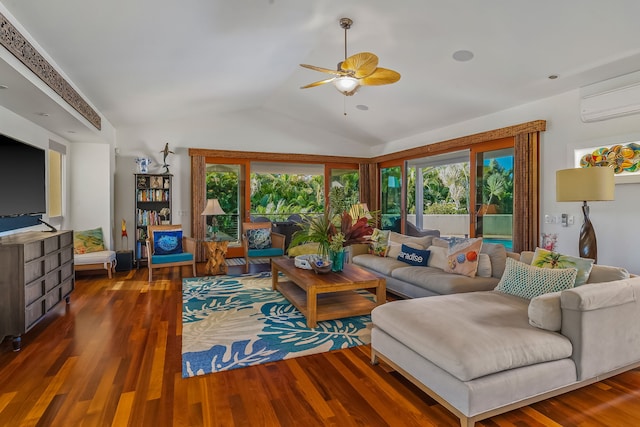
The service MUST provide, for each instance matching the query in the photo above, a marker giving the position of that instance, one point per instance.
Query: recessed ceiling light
(4, 87)
(362, 107)
(553, 76)
(463, 55)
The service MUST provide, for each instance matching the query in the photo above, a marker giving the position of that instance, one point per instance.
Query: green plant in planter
(332, 231)
(315, 229)
(354, 232)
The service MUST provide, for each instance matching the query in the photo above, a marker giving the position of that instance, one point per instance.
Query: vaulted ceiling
(149, 61)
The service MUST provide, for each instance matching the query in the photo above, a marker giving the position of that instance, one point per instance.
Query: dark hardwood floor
(112, 358)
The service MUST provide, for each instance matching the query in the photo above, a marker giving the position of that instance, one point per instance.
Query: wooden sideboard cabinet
(36, 273)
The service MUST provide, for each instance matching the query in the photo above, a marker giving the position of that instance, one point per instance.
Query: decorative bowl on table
(321, 266)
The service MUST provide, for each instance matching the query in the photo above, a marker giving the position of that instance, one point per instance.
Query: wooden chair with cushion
(164, 251)
(260, 242)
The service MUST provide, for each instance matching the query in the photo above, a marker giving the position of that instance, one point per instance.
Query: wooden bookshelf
(152, 207)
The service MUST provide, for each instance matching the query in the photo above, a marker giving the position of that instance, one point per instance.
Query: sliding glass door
(391, 197)
(493, 195)
(438, 193)
(226, 182)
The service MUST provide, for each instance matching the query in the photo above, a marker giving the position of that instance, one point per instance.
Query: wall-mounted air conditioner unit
(611, 98)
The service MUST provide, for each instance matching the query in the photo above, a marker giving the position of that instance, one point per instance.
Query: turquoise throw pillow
(167, 242)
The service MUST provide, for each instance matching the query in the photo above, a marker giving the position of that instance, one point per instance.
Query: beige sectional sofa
(417, 281)
(479, 355)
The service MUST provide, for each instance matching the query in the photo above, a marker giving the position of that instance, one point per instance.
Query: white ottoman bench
(95, 261)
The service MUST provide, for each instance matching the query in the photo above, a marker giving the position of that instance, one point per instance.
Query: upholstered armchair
(260, 242)
(167, 247)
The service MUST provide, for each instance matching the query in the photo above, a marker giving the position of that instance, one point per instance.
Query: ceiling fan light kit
(355, 71)
(346, 85)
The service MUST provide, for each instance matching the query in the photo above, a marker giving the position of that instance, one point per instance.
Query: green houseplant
(332, 233)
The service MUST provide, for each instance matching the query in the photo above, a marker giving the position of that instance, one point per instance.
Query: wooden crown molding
(464, 141)
(275, 157)
(20, 47)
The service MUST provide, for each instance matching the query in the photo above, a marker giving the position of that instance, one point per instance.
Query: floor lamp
(213, 208)
(585, 185)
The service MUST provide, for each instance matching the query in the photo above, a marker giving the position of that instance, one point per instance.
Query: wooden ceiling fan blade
(318, 83)
(361, 64)
(381, 76)
(323, 70)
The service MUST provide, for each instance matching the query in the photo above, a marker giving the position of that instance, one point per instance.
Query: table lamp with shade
(585, 185)
(213, 209)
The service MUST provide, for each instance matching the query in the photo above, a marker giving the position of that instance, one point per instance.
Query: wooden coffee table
(327, 296)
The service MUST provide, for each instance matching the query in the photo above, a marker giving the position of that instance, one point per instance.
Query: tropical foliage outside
(498, 187)
(224, 187)
(446, 188)
(276, 196)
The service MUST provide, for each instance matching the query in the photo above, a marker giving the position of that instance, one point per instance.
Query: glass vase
(337, 260)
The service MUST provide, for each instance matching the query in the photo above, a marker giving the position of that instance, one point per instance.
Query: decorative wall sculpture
(15, 43)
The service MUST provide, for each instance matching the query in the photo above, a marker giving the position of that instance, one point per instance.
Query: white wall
(90, 188)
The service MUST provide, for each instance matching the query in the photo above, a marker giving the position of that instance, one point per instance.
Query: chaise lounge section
(478, 354)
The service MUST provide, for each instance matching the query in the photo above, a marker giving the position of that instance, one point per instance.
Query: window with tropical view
(438, 193)
(280, 190)
(225, 182)
(494, 196)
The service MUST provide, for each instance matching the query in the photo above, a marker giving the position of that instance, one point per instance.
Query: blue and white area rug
(230, 322)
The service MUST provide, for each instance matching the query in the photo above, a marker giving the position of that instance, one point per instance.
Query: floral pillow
(167, 242)
(259, 238)
(462, 257)
(379, 242)
(88, 241)
(549, 259)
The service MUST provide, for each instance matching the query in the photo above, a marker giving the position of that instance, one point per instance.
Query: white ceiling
(149, 61)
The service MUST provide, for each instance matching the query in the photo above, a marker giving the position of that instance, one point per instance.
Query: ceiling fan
(357, 70)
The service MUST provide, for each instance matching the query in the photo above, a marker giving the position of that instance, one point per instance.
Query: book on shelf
(141, 249)
(157, 195)
(147, 217)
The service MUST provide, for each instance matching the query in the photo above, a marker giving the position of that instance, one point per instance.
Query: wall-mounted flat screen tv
(22, 178)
